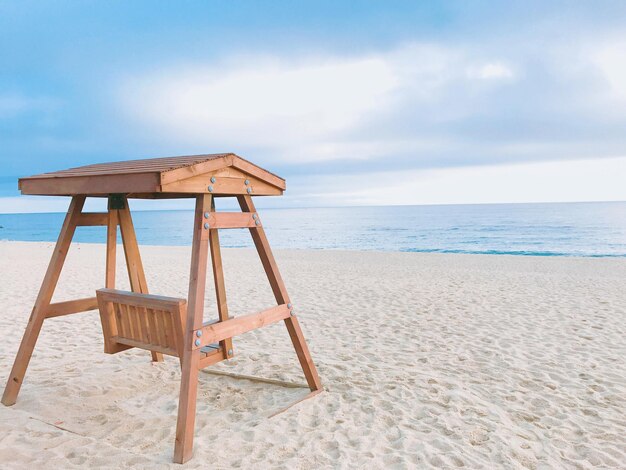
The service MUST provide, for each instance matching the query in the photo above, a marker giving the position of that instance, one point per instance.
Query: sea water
(563, 229)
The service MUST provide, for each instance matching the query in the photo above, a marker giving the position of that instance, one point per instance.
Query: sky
(354, 103)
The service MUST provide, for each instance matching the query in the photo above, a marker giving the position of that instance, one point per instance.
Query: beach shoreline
(428, 360)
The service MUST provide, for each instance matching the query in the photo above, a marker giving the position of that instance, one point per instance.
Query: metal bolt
(212, 179)
(210, 189)
(249, 190)
(206, 215)
(230, 352)
(197, 342)
(254, 216)
(246, 182)
(288, 305)
(257, 222)
(199, 333)
(207, 225)
(292, 313)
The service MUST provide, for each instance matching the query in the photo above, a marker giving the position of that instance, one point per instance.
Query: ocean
(559, 229)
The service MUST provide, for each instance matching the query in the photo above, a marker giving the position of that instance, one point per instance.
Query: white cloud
(263, 103)
(490, 71)
(611, 60)
(558, 181)
(309, 109)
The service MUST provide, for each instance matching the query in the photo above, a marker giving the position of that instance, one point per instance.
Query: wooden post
(220, 286)
(112, 221)
(183, 448)
(43, 300)
(280, 293)
(133, 259)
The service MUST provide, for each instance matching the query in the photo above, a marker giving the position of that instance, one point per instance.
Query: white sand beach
(427, 360)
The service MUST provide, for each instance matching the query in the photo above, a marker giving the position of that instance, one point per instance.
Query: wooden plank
(259, 172)
(137, 299)
(91, 185)
(153, 327)
(280, 293)
(222, 185)
(131, 251)
(183, 448)
(109, 327)
(160, 321)
(46, 291)
(111, 256)
(212, 357)
(179, 317)
(237, 326)
(178, 174)
(133, 258)
(218, 280)
(93, 219)
(123, 320)
(71, 306)
(231, 220)
(141, 345)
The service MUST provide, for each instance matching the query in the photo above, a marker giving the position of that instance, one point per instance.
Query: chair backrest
(144, 321)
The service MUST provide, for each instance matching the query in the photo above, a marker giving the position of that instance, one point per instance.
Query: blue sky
(353, 102)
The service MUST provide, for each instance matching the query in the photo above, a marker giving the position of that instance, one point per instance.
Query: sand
(427, 360)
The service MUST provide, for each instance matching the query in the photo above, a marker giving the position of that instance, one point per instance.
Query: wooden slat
(124, 320)
(153, 326)
(71, 306)
(92, 219)
(237, 326)
(142, 345)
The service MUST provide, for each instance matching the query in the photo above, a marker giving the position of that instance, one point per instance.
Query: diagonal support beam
(280, 293)
(42, 303)
(134, 265)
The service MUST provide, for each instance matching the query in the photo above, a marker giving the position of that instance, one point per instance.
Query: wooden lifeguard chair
(163, 325)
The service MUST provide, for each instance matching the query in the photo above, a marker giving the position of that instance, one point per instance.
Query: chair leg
(43, 300)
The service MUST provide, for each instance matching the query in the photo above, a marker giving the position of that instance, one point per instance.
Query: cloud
(564, 181)
(305, 108)
(267, 103)
(611, 61)
(423, 105)
(491, 71)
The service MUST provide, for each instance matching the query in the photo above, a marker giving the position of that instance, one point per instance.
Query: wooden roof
(219, 174)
